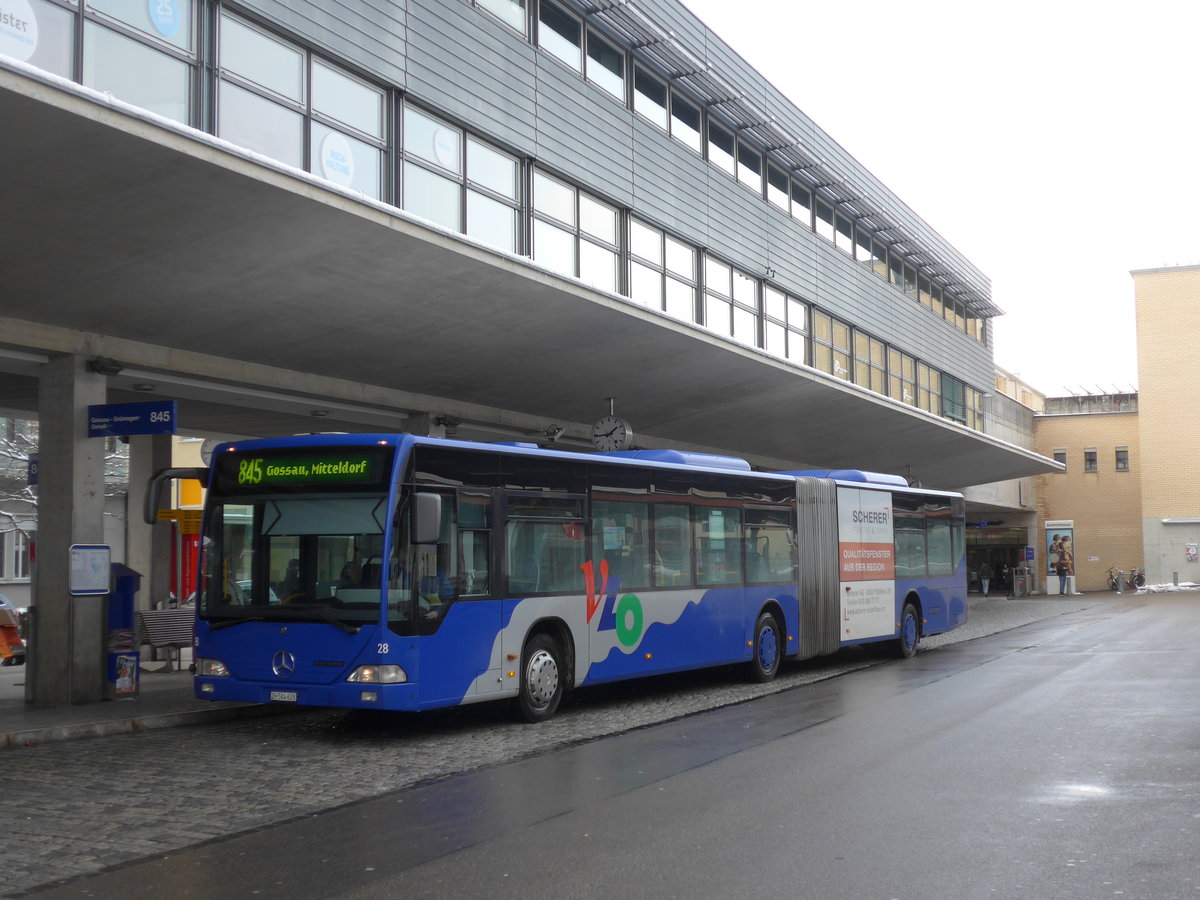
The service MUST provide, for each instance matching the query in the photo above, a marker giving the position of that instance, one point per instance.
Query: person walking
(985, 577)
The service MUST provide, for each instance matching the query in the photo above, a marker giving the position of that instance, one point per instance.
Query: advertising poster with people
(866, 550)
(1060, 550)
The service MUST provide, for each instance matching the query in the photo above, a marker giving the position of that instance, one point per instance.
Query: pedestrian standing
(985, 577)
(1062, 570)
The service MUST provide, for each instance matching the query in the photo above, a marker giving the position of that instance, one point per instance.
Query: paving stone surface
(76, 807)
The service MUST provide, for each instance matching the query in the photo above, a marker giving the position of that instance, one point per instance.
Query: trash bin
(122, 659)
(1021, 581)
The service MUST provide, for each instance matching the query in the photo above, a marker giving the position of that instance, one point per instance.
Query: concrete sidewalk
(164, 700)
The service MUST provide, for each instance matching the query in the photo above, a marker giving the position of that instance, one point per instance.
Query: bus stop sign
(117, 419)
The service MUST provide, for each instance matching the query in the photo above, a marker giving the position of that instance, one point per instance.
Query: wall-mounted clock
(612, 433)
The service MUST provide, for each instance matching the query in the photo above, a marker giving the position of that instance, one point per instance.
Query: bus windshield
(294, 558)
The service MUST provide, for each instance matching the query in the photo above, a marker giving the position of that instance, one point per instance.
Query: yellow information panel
(189, 519)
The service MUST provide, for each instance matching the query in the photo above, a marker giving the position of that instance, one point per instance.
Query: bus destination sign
(345, 468)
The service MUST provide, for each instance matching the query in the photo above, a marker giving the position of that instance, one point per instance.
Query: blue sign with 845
(116, 419)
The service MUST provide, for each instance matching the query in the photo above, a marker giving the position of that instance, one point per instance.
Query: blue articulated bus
(409, 573)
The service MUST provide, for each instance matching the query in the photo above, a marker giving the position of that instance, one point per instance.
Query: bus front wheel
(768, 648)
(542, 676)
(910, 632)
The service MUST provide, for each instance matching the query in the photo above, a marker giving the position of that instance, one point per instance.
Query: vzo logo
(623, 616)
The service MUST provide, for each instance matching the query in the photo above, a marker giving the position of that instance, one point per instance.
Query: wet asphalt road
(1055, 760)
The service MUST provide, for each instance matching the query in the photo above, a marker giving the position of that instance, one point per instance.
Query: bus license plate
(284, 696)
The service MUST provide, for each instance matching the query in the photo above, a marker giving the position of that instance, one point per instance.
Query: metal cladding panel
(820, 606)
(466, 64)
(369, 35)
(670, 184)
(583, 132)
(739, 224)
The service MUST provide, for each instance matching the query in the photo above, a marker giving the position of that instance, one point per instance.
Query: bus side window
(473, 557)
(770, 546)
(718, 545)
(672, 545)
(621, 537)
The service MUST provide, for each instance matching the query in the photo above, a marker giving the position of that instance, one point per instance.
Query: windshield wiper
(226, 623)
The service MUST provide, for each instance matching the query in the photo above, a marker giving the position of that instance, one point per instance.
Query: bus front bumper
(402, 697)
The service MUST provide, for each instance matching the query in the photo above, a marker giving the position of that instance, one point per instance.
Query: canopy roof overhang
(257, 295)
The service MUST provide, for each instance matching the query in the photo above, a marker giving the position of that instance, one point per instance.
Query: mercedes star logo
(283, 664)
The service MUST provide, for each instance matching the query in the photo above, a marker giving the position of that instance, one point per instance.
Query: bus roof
(853, 475)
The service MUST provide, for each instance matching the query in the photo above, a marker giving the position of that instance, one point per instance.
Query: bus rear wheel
(910, 632)
(542, 677)
(768, 648)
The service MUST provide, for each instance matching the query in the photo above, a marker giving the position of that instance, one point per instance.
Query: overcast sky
(1053, 142)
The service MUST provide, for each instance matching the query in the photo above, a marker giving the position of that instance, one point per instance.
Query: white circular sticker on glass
(18, 29)
(166, 16)
(445, 148)
(337, 159)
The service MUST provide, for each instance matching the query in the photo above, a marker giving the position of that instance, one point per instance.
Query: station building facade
(441, 215)
(620, 144)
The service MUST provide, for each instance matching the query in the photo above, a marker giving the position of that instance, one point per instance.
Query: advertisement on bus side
(867, 563)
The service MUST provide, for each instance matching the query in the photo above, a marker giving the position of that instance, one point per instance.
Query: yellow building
(1168, 308)
(1091, 513)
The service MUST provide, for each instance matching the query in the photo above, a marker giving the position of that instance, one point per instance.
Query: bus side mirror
(427, 518)
(153, 496)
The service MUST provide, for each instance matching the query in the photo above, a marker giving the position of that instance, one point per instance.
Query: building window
(140, 55)
(1089, 461)
(749, 167)
(902, 377)
(823, 223)
(1122, 459)
(492, 196)
(510, 12)
(831, 345)
(560, 35)
(1060, 456)
(974, 409)
(721, 147)
(280, 101)
(929, 389)
(730, 302)
(573, 233)
(954, 405)
(785, 326)
(662, 271)
(14, 556)
(685, 122)
(777, 188)
(606, 65)
(54, 49)
(458, 181)
(869, 362)
(843, 234)
(650, 97)
(802, 204)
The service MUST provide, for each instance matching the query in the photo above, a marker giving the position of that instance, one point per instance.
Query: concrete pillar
(66, 662)
(148, 547)
(429, 424)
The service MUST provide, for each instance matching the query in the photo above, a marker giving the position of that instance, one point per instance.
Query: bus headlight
(385, 674)
(213, 668)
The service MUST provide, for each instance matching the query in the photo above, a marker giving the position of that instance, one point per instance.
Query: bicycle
(1119, 577)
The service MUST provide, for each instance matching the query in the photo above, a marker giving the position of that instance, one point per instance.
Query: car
(17, 617)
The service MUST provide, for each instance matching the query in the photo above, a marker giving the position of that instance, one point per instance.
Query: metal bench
(166, 628)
